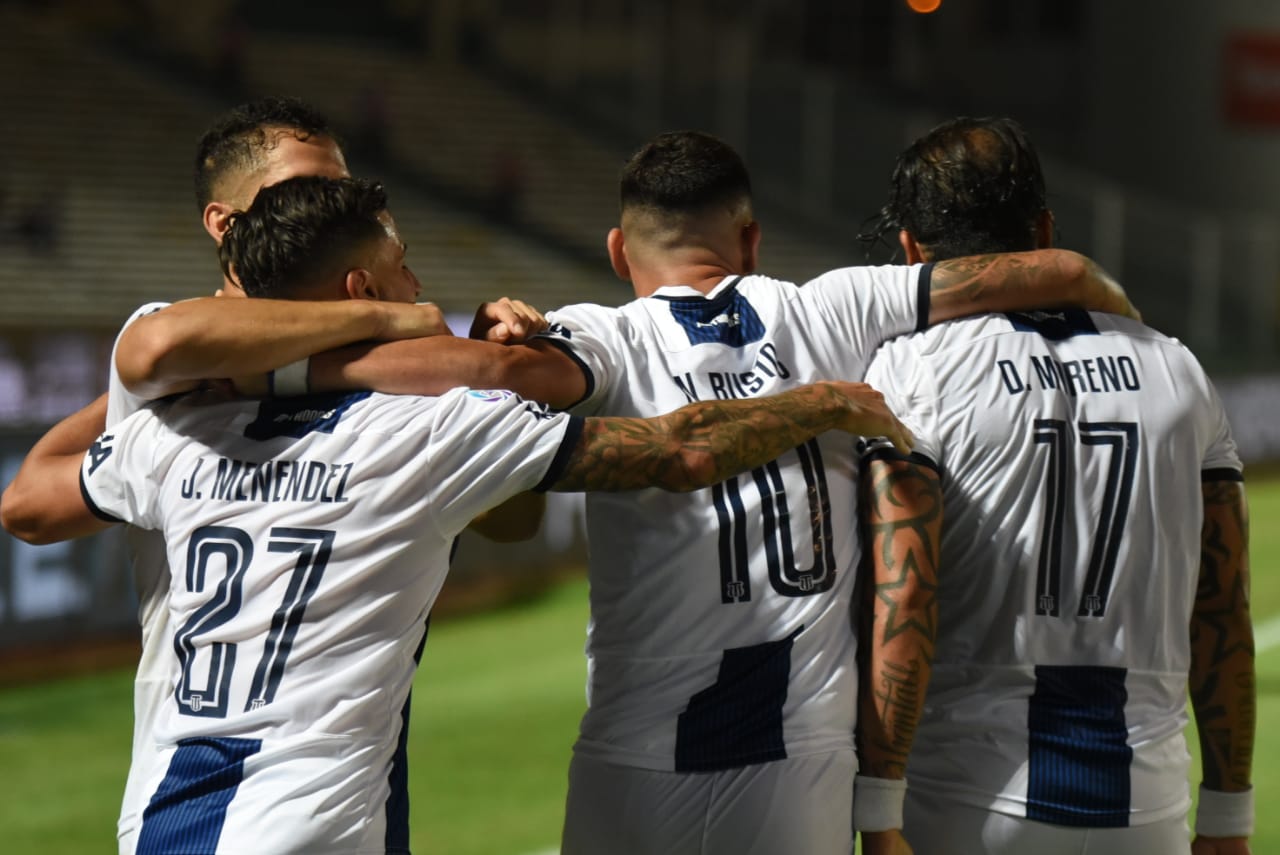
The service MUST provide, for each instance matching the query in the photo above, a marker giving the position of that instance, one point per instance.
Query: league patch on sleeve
(491, 396)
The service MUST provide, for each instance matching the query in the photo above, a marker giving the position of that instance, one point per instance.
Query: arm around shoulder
(1022, 281)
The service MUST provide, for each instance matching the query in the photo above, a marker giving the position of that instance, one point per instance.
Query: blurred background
(499, 127)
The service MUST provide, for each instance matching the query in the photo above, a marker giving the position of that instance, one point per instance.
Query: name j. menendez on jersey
(1074, 376)
(232, 480)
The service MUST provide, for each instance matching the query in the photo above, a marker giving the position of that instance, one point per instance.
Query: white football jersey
(1071, 448)
(720, 631)
(152, 684)
(307, 541)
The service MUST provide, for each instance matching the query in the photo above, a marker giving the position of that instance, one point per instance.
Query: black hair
(684, 172)
(299, 231)
(968, 186)
(239, 138)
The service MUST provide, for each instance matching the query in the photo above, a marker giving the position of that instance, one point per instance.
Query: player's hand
(868, 415)
(410, 320)
(884, 843)
(1220, 846)
(507, 321)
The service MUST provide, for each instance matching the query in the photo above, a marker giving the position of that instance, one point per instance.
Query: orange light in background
(924, 7)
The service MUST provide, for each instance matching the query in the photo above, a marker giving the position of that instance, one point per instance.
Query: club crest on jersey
(491, 396)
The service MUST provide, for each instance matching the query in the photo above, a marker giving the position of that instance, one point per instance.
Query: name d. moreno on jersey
(1073, 376)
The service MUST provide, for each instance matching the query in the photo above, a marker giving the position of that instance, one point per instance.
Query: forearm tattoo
(902, 512)
(966, 280)
(700, 444)
(1222, 679)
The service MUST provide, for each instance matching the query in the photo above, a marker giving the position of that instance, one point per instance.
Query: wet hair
(240, 139)
(968, 186)
(299, 232)
(684, 172)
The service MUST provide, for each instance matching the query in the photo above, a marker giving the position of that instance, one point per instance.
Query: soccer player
(165, 349)
(1092, 568)
(308, 537)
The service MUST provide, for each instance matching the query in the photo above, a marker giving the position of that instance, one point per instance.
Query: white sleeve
(486, 446)
(1221, 460)
(866, 306)
(121, 403)
(118, 478)
(592, 337)
(898, 373)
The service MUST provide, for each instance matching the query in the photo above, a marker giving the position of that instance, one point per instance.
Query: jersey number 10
(1122, 439)
(775, 522)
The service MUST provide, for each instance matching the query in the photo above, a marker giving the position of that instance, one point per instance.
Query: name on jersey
(1076, 376)
(232, 480)
(728, 385)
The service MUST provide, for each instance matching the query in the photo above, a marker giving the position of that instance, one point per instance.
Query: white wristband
(877, 803)
(1220, 814)
(290, 380)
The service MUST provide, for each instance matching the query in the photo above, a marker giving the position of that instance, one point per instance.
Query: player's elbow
(144, 351)
(21, 517)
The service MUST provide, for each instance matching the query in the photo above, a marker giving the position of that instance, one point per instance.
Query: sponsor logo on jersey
(100, 451)
(305, 416)
(728, 319)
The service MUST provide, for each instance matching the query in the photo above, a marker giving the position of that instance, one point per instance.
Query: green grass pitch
(495, 710)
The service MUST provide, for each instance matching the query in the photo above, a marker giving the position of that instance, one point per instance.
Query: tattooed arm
(901, 510)
(1021, 281)
(1222, 680)
(704, 443)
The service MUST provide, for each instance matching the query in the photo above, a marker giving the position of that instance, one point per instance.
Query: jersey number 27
(234, 548)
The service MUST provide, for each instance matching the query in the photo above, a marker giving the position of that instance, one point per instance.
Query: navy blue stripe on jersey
(297, 417)
(1078, 757)
(1223, 474)
(1055, 326)
(92, 505)
(889, 452)
(396, 840)
(189, 808)
(572, 435)
(563, 345)
(727, 319)
(924, 297)
(738, 720)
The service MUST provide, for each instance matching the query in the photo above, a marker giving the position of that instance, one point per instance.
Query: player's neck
(703, 277)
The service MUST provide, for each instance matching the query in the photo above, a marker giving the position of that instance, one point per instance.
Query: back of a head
(240, 139)
(301, 232)
(969, 186)
(682, 175)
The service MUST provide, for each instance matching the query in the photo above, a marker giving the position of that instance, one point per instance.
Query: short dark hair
(968, 186)
(299, 231)
(684, 172)
(240, 137)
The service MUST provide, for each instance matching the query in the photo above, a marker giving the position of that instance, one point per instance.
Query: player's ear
(750, 246)
(914, 254)
(359, 285)
(1044, 230)
(217, 215)
(618, 254)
